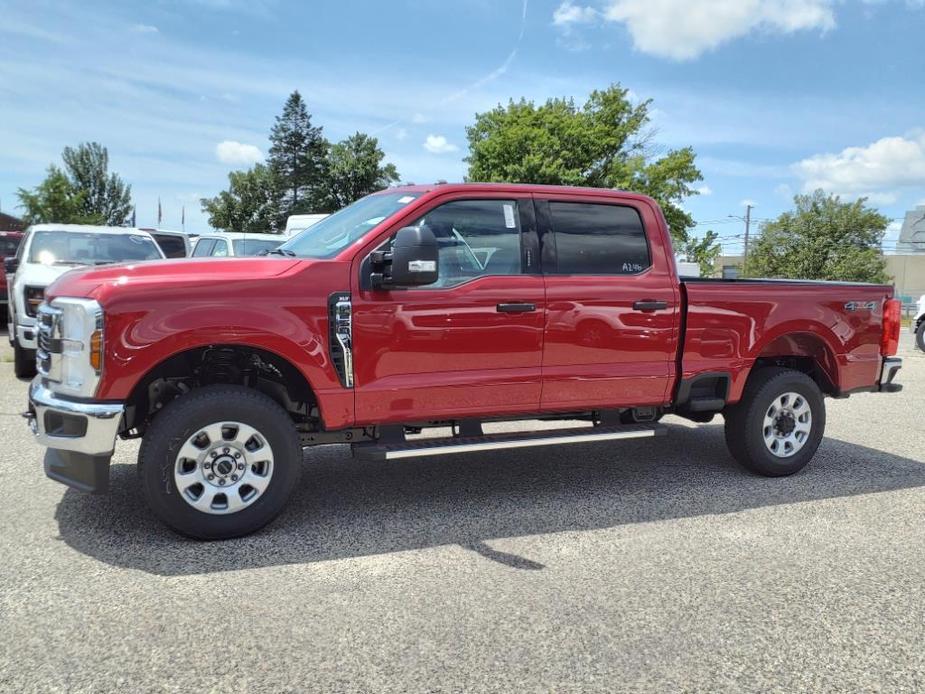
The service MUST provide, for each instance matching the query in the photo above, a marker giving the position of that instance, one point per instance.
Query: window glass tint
(254, 246)
(221, 248)
(598, 239)
(173, 246)
(203, 247)
(8, 246)
(475, 238)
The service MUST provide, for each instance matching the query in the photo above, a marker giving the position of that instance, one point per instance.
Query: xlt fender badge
(340, 336)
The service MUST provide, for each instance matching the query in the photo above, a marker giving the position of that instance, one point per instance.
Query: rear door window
(221, 248)
(598, 239)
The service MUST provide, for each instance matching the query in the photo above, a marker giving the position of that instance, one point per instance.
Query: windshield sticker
(509, 216)
(405, 200)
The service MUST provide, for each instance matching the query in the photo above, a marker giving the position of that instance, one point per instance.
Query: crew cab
(47, 252)
(411, 323)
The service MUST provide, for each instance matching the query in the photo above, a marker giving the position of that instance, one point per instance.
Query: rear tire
(920, 336)
(23, 361)
(775, 429)
(178, 458)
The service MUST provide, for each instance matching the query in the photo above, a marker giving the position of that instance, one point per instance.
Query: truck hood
(40, 275)
(103, 282)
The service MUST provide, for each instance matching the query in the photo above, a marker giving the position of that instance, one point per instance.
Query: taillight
(892, 315)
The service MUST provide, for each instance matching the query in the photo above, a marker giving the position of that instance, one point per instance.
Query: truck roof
(88, 229)
(520, 187)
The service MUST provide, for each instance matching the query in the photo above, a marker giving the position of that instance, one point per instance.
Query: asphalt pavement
(633, 566)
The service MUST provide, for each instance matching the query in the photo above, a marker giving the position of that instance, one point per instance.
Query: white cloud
(144, 29)
(879, 171)
(233, 152)
(685, 29)
(418, 118)
(401, 134)
(438, 144)
(567, 14)
(704, 190)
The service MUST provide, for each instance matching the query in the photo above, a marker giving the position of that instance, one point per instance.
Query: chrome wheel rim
(788, 423)
(223, 468)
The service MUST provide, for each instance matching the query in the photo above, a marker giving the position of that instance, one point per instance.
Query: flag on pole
(158, 211)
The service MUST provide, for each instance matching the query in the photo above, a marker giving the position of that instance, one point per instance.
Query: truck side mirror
(11, 265)
(412, 262)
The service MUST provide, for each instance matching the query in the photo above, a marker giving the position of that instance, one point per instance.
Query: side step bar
(451, 445)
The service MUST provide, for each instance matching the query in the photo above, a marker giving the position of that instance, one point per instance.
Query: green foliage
(702, 251)
(105, 195)
(297, 155)
(603, 144)
(823, 238)
(55, 200)
(353, 169)
(253, 202)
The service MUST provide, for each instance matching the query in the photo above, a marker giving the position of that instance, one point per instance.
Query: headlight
(71, 333)
(33, 297)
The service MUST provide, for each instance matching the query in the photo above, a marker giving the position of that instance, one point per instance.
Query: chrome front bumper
(80, 436)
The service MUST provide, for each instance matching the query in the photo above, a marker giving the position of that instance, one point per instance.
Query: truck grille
(49, 342)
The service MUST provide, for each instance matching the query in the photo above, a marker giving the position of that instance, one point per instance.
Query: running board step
(491, 442)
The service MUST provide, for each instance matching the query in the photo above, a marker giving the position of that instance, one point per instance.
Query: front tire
(775, 429)
(219, 462)
(920, 335)
(23, 361)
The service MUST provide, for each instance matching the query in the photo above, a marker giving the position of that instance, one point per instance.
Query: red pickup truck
(428, 308)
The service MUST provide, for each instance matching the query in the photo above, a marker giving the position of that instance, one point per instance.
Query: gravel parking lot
(639, 566)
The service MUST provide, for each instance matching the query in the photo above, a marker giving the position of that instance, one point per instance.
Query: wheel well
(219, 364)
(802, 352)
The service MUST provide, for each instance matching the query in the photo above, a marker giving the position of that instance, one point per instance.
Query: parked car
(447, 306)
(226, 244)
(174, 244)
(297, 223)
(918, 324)
(9, 244)
(47, 252)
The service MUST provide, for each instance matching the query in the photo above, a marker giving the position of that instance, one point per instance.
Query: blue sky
(775, 96)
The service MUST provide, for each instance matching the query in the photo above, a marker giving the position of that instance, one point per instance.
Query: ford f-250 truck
(450, 306)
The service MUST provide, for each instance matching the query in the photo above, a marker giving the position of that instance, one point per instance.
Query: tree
(823, 238)
(104, 195)
(353, 169)
(703, 251)
(603, 144)
(297, 155)
(55, 200)
(253, 202)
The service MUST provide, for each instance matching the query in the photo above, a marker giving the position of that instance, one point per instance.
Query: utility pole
(748, 224)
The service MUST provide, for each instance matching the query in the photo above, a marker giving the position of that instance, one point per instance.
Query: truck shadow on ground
(345, 508)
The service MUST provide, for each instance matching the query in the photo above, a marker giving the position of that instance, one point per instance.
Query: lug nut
(222, 482)
(211, 477)
(240, 466)
(225, 450)
(237, 455)
(234, 478)
(207, 465)
(213, 453)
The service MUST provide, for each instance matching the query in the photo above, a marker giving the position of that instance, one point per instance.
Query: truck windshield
(331, 235)
(88, 248)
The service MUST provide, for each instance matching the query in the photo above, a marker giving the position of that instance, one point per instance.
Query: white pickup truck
(46, 253)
